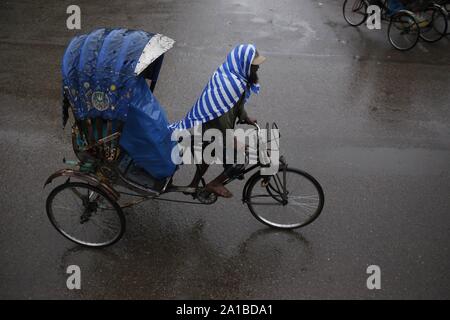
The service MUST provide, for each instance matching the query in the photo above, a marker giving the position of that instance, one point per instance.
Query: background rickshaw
(121, 137)
(420, 19)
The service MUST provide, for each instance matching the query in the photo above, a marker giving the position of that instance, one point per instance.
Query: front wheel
(403, 31)
(355, 12)
(433, 26)
(287, 200)
(85, 214)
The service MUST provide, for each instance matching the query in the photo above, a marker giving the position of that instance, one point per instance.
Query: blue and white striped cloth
(223, 90)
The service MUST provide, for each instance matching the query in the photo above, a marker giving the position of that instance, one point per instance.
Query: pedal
(206, 197)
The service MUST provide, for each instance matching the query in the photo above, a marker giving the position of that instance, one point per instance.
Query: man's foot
(219, 189)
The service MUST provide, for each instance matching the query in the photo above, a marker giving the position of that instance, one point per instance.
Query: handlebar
(268, 139)
(257, 127)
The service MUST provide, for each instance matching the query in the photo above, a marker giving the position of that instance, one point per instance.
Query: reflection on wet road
(371, 123)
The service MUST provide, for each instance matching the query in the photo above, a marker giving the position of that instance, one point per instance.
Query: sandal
(219, 190)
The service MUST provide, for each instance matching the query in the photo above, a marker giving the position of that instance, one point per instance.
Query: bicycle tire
(66, 234)
(407, 24)
(356, 5)
(426, 34)
(257, 177)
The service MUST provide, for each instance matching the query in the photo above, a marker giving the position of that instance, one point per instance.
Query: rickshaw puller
(222, 123)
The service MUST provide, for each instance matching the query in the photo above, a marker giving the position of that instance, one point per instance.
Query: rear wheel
(403, 31)
(290, 199)
(433, 26)
(355, 12)
(85, 214)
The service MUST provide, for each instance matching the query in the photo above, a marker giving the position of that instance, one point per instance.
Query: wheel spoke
(74, 196)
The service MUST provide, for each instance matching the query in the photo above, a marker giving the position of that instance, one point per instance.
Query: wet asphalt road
(371, 123)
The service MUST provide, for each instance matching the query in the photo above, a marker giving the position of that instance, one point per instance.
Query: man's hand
(250, 120)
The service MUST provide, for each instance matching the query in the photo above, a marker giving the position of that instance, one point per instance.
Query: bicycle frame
(194, 191)
(87, 172)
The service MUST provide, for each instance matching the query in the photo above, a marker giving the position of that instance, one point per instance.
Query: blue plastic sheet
(146, 136)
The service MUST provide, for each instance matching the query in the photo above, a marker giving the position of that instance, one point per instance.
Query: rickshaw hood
(102, 69)
(103, 77)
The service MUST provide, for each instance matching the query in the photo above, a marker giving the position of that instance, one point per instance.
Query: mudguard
(85, 177)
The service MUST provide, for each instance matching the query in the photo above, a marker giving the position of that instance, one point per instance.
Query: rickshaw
(405, 28)
(109, 77)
